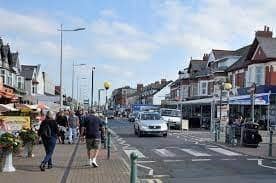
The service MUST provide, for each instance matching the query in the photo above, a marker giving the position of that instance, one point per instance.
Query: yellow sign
(14, 123)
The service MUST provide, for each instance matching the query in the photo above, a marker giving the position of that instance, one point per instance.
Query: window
(9, 79)
(3, 75)
(250, 75)
(34, 89)
(259, 75)
(20, 82)
(203, 88)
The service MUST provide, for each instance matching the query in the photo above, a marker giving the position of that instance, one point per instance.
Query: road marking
(229, 159)
(129, 151)
(145, 161)
(225, 152)
(150, 181)
(173, 160)
(194, 152)
(253, 159)
(260, 163)
(164, 153)
(160, 176)
(201, 159)
(148, 168)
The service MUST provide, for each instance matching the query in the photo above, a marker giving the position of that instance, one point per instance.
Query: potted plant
(9, 144)
(28, 137)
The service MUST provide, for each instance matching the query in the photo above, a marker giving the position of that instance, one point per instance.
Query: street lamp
(61, 30)
(92, 86)
(107, 85)
(73, 76)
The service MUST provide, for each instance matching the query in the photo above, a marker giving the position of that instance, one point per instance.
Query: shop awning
(260, 99)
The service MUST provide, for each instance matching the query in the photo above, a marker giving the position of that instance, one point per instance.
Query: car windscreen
(150, 117)
(172, 113)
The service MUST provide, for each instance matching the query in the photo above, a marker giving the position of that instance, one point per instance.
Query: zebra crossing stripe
(129, 151)
(225, 152)
(164, 153)
(195, 153)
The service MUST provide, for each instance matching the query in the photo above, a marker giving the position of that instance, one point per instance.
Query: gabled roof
(243, 52)
(268, 45)
(197, 67)
(28, 70)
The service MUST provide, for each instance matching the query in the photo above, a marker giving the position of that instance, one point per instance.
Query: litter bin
(251, 136)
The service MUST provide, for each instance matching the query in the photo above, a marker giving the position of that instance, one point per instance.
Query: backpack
(45, 131)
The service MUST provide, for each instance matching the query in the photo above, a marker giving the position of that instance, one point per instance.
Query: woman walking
(48, 132)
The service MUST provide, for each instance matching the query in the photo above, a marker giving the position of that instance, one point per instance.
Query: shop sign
(260, 99)
(14, 123)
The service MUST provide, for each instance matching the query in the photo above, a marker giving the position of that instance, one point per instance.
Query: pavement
(189, 157)
(70, 165)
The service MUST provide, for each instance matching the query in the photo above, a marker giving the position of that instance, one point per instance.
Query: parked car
(172, 116)
(132, 116)
(150, 123)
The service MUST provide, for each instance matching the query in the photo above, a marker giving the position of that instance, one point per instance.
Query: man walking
(73, 123)
(63, 124)
(92, 125)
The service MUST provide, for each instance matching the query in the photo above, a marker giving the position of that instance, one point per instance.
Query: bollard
(133, 171)
(270, 143)
(108, 144)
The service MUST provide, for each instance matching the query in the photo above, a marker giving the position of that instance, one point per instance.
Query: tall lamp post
(92, 86)
(99, 98)
(73, 76)
(107, 85)
(61, 30)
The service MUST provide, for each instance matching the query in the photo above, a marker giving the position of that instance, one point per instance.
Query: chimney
(265, 33)
(205, 57)
(163, 81)
(139, 88)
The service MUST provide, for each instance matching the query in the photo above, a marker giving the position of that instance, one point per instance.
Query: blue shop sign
(260, 99)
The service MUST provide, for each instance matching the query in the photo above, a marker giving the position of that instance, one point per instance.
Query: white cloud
(121, 41)
(116, 71)
(108, 13)
(29, 25)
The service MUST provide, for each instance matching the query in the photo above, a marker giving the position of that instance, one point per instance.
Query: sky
(127, 41)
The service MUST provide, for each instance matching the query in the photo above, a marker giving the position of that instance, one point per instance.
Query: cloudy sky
(128, 41)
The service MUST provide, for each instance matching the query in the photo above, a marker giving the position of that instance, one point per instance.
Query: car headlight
(143, 127)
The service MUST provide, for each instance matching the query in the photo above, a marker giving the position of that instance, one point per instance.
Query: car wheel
(165, 135)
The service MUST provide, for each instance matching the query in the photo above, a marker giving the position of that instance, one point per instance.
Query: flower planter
(8, 166)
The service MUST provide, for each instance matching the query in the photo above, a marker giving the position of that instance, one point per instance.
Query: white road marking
(148, 168)
(225, 152)
(225, 159)
(160, 176)
(129, 151)
(194, 152)
(201, 159)
(164, 153)
(172, 160)
(145, 161)
(260, 163)
(253, 159)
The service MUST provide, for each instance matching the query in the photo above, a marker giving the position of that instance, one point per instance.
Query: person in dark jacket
(63, 123)
(49, 141)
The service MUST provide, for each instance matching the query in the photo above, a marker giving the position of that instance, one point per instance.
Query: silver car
(150, 123)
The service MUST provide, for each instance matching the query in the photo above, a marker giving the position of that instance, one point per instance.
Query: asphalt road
(187, 157)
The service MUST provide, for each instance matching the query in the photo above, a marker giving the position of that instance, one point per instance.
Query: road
(188, 157)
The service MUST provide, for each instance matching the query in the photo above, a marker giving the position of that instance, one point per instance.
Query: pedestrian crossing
(180, 152)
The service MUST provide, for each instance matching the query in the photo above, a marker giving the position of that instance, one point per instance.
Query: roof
(28, 70)
(197, 65)
(268, 45)
(218, 54)
(242, 60)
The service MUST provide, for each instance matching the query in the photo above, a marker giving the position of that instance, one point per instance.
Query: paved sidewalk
(70, 165)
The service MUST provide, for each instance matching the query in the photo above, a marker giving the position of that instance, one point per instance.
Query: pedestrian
(92, 125)
(73, 124)
(63, 125)
(48, 132)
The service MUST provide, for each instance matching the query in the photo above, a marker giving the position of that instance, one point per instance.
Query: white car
(150, 123)
(172, 116)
